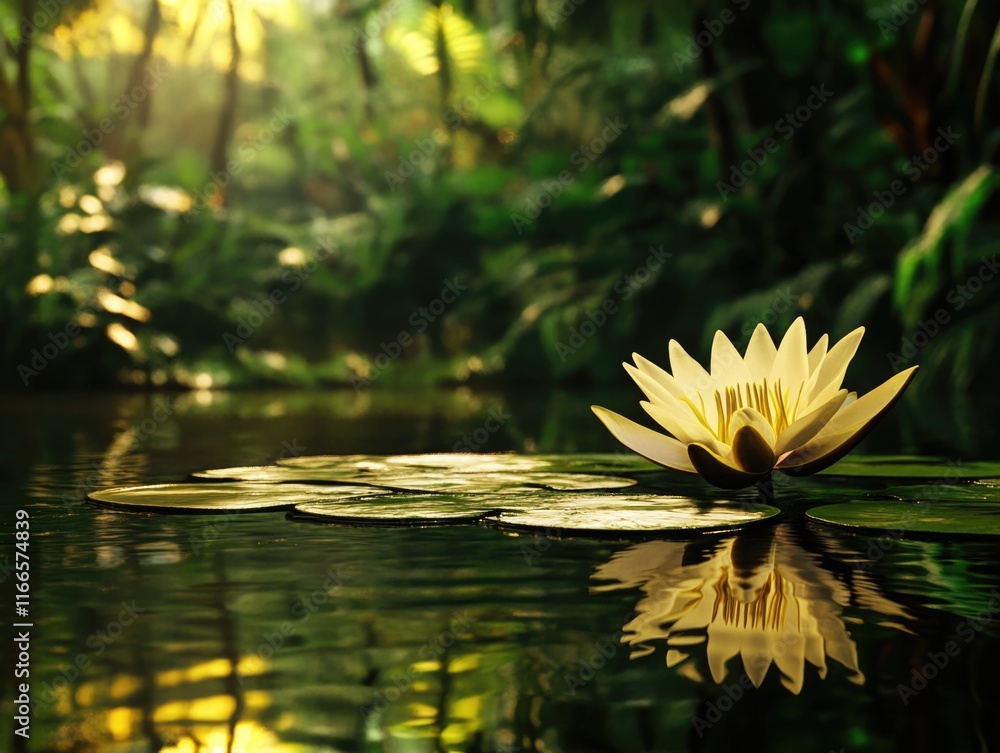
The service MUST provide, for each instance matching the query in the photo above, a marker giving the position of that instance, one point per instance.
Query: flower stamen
(769, 400)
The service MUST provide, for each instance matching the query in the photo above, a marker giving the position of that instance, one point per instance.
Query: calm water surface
(258, 633)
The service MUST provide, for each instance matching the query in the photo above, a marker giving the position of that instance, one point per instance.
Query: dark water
(257, 633)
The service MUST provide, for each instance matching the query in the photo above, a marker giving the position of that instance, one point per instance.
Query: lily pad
(973, 518)
(638, 513)
(980, 491)
(402, 509)
(337, 463)
(219, 497)
(912, 467)
(420, 479)
(580, 513)
(271, 474)
(598, 463)
(471, 462)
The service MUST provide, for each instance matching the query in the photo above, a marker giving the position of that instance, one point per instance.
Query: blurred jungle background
(229, 193)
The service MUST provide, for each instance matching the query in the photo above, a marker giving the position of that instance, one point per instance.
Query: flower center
(769, 400)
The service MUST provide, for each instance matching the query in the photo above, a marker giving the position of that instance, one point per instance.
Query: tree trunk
(227, 115)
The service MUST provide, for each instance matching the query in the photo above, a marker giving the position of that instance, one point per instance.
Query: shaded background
(207, 194)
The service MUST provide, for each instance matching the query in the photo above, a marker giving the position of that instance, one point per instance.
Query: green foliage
(478, 143)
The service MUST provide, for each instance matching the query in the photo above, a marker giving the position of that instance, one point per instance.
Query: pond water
(259, 633)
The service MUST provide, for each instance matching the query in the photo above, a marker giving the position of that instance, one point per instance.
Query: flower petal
(791, 364)
(664, 378)
(760, 353)
(848, 427)
(688, 371)
(651, 388)
(826, 380)
(752, 452)
(683, 425)
(750, 417)
(728, 367)
(659, 448)
(697, 382)
(818, 353)
(805, 428)
(718, 471)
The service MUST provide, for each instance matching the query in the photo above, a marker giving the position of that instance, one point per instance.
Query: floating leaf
(912, 466)
(419, 479)
(219, 497)
(610, 513)
(979, 491)
(640, 513)
(952, 517)
(273, 474)
(597, 463)
(471, 462)
(338, 463)
(403, 509)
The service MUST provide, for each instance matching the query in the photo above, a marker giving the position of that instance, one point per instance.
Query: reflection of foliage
(479, 106)
(766, 600)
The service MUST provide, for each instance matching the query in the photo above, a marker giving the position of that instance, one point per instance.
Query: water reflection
(761, 596)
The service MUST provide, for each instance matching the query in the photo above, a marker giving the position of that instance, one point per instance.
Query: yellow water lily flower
(773, 408)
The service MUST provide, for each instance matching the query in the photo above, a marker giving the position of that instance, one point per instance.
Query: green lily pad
(470, 462)
(420, 479)
(973, 518)
(912, 466)
(402, 509)
(580, 513)
(637, 513)
(271, 474)
(219, 497)
(598, 463)
(980, 491)
(337, 463)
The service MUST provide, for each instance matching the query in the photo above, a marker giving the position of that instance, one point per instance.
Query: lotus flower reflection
(765, 599)
(773, 408)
